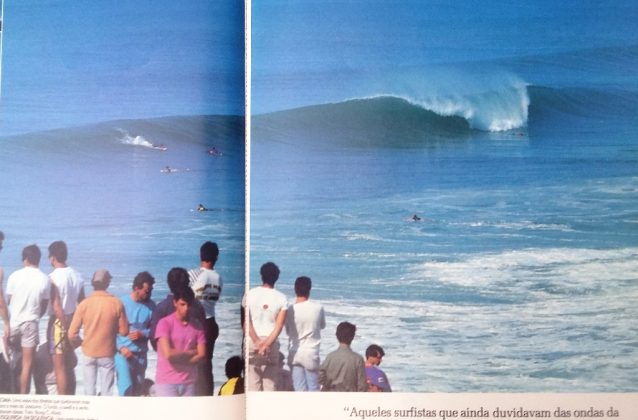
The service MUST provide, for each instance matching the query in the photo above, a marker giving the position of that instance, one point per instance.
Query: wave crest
(496, 103)
(135, 140)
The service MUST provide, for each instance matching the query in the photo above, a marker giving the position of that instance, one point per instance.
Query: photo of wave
(85, 180)
(460, 182)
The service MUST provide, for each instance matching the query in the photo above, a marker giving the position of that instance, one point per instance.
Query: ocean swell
(495, 108)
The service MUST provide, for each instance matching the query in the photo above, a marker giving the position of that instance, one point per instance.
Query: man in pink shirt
(181, 345)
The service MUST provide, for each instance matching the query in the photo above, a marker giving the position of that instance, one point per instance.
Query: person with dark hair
(102, 316)
(266, 314)
(181, 346)
(377, 380)
(69, 287)
(131, 357)
(176, 278)
(207, 285)
(304, 322)
(343, 370)
(235, 384)
(28, 294)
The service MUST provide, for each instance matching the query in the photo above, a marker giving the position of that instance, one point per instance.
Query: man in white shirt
(207, 285)
(70, 289)
(28, 294)
(304, 322)
(266, 314)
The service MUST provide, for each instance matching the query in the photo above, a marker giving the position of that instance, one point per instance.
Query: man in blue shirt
(131, 358)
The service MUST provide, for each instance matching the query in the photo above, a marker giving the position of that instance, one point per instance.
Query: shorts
(25, 334)
(58, 343)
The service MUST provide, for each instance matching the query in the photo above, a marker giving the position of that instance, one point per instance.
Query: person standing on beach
(131, 357)
(102, 316)
(181, 345)
(176, 278)
(207, 285)
(266, 313)
(4, 313)
(69, 285)
(28, 294)
(377, 380)
(343, 370)
(304, 322)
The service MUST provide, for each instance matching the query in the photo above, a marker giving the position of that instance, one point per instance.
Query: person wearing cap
(304, 322)
(102, 316)
(207, 286)
(28, 293)
(376, 378)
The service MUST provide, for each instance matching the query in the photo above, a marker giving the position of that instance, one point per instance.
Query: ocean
(103, 189)
(511, 132)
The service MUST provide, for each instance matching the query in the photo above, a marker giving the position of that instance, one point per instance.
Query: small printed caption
(44, 409)
(498, 412)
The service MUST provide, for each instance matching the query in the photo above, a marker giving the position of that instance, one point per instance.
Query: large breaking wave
(497, 103)
(397, 119)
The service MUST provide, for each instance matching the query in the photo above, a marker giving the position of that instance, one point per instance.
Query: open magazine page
(122, 138)
(459, 182)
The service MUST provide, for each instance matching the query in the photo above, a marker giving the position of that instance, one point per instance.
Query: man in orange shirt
(103, 317)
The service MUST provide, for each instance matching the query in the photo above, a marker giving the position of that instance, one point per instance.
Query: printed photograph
(457, 182)
(122, 212)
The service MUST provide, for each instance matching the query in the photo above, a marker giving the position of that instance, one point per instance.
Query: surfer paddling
(213, 151)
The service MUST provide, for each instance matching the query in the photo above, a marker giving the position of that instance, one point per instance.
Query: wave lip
(495, 102)
(135, 140)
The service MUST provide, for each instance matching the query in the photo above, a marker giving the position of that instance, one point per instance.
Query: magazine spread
(428, 213)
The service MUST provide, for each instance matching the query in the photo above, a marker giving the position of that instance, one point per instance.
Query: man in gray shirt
(343, 370)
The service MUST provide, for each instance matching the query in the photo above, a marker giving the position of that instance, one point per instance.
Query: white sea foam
(523, 224)
(545, 344)
(489, 99)
(354, 236)
(564, 267)
(135, 140)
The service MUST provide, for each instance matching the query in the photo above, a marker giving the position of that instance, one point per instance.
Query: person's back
(267, 314)
(343, 370)
(304, 322)
(263, 313)
(103, 317)
(28, 287)
(28, 293)
(70, 287)
(206, 283)
(235, 383)
(100, 313)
